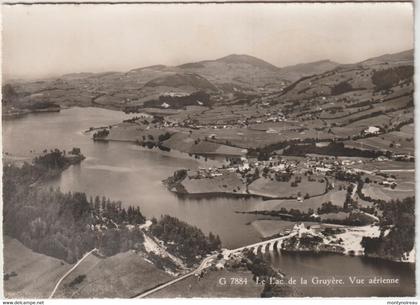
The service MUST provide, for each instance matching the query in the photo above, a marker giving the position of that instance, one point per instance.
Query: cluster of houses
(203, 173)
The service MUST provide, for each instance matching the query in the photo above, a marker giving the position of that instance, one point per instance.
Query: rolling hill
(236, 78)
(242, 70)
(399, 58)
(191, 81)
(298, 71)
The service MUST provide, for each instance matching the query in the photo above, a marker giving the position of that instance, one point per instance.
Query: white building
(372, 130)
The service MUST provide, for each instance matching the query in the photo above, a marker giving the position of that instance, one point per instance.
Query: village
(281, 169)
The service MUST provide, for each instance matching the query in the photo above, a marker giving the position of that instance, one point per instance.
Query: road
(203, 265)
(70, 271)
(410, 170)
(263, 243)
(195, 271)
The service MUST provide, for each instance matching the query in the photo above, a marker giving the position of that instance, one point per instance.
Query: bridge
(260, 247)
(263, 246)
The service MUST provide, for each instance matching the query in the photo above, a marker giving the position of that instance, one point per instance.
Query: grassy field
(228, 183)
(395, 142)
(336, 197)
(209, 286)
(379, 120)
(363, 203)
(375, 165)
(408, 129)
(119, 276)
(273, 188)
(406, 180)
(184, 142)
(37, 273)
(399, 192)
(405, 186)
(375, 192)
(132, 132)
(258, 135)
(338, 216)
(383, 106)
(342, 132)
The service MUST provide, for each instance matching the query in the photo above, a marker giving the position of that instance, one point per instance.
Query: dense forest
(184, 240)
(333, 149)
(387, 78)
(341, 88)
(398, 217)
(174, 102)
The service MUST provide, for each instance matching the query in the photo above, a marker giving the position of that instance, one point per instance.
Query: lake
(133, 174)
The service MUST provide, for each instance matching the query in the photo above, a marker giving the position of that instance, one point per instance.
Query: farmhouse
(372, 130)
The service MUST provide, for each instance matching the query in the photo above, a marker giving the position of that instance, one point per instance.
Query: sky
(49, 40)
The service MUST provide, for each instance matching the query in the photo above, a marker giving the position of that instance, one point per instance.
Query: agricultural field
(375, 192)
(343, 113)
(227, 183)
(239, 137)
(193, 144)
(399, 192)
(336, 197)
(278, 126)
(335, 216)
(342, 132)
(387, 193)
(379, 120)
(272, 188)
(36, 274)
(408, 129)
(120, 276)
(127, 132)
(395, 142)
(190, 112)
(363, 203)
(389, 166)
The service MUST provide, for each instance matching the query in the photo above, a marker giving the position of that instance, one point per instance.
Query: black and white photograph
(208, 150)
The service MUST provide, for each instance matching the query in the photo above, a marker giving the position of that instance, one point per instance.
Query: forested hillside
(67, 225)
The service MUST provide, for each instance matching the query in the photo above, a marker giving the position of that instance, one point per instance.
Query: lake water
(133, 174)
(326, 265)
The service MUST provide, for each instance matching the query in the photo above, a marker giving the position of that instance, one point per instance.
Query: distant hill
(295, 72)
(182, 80)
(234, 76)
(153, 67)
(242, 70)
(405, 56)
(78, 75)
(248, 60)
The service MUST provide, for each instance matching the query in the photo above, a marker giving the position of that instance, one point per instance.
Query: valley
(204, 158)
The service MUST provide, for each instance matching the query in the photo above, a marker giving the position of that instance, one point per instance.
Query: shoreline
(23, 112)
(211, 195)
